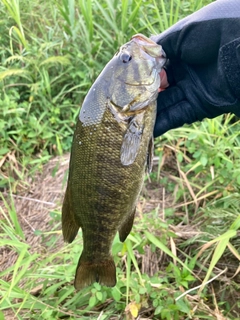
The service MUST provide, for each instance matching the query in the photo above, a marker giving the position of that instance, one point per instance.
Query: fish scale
(108, 161)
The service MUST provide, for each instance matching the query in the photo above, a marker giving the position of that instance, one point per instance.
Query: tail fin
(69, 226)
(89, 272)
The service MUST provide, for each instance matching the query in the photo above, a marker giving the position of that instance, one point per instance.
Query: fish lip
(142, 40)
(145, 41)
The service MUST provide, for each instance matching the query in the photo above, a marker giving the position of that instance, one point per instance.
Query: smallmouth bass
(111, 149)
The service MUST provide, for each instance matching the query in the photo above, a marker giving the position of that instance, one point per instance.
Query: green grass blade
(124, 13)
(164, 13)
(164, 248)
(86, 10)
(12, 215)
(236, 224)
(218, 252)
(127, 20)
(222, 242)
(132, 256)
(14, 11)
(108, 15)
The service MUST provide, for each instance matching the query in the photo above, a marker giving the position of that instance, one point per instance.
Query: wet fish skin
(109, 155)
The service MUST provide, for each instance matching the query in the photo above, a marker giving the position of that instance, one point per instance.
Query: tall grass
(51, 53)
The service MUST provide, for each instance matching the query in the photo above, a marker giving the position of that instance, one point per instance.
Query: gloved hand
(203, 70)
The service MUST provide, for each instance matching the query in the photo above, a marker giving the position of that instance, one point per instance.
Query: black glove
(203, 68)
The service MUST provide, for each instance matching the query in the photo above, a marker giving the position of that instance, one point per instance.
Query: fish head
(136, 78)
(129, 82)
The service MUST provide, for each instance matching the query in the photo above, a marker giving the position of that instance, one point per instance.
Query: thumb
(164, 81)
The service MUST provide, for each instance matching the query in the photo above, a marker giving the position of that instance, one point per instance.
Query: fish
(111, 150)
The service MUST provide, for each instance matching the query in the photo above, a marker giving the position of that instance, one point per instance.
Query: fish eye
(125, 57)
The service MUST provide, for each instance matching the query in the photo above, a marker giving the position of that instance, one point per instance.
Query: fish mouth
(152, 50)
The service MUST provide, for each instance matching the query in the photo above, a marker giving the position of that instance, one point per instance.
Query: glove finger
(174, 116)
(169, 97)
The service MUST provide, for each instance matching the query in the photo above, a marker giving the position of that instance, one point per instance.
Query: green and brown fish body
(111, 148)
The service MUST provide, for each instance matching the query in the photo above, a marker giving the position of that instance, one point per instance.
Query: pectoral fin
(126, 227)
(132, 140)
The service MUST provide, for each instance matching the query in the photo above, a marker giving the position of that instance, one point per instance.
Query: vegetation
(181, 260)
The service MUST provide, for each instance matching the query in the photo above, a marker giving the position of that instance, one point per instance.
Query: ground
(36, 204)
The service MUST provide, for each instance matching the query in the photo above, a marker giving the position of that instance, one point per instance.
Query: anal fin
(69, 226)
(126, 227)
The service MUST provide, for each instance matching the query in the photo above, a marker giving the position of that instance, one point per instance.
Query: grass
(181, 260)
